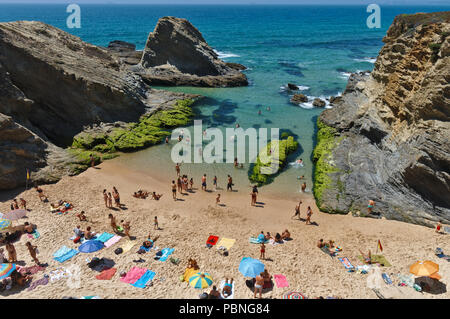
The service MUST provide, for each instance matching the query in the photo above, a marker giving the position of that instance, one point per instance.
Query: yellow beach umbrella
(200, 280)
(425, 268)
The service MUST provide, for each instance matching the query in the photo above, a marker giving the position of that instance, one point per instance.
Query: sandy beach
(187, 223)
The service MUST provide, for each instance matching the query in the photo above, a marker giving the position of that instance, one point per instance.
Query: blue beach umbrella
(251, 267)
(90, 246)
(6, 270)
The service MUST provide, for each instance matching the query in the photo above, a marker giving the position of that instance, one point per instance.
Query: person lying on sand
(156, 196)
(18, 278)
(278, 238)
(82, 217)
(320, 243)
(268, 236)
(214, 293)
(141, 194)
(228, 288)
(286, 235)
(28, 228)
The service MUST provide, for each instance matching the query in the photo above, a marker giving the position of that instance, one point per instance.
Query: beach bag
(118, 251)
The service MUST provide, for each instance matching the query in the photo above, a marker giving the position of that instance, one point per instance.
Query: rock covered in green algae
(263, 173)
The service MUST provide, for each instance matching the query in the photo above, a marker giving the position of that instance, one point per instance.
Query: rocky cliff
(52, 86)
(177, 54)
(388, 137)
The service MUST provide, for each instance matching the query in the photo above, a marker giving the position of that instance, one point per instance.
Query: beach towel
(386, 279)
(105, 237)
(377, 259)
(166, 252)
(281, 281)
(254, 240)
(212, 240)
(142, 282)
(347, 264)
(226, 242)
(34, 235)
(274, 243)
(221, 286)
(133, 275)
(106, 274)
(64, 253)
(31, 270)
(127, 245)
(59, 273)
(41, 282)
(407, 280)
(113, 240)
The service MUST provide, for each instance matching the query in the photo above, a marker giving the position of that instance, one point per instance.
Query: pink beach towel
(133, 275)
(112, 241)
(281, 281)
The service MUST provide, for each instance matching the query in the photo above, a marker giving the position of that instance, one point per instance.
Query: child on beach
(174, 190)
(156, 225)
(82, 217)
(109, 200)
(12, 254)
(308, 216)
(262, 251)
(33, 251)
(218, 199)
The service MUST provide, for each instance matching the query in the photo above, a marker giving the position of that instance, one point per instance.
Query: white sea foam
(366, 59)
(300, 88)
(309, 105)
(224, 55)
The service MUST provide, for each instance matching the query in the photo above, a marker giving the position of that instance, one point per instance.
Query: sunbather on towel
(227, 288)
(286, 235)
(214, 293)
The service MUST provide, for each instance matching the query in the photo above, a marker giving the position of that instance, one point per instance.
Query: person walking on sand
(41, 194)
(113, 222)
(33, 252)
(262, 251)
(204, 182)
(229, 184)
(215, 183)
(116, 196)
(297, 210)
(259, 283)
(174, 190)
(12, 254)
(308, 216)
(155, 224)
(177, 169)
(126, 228)
(370, 206)
(217, 199)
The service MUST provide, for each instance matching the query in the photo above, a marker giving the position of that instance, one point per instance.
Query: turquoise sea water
(312, 46)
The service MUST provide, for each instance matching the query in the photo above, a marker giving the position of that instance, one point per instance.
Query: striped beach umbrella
(200, 280)
(4, 223)
(15, 214)
(294, 295)
(6, 270)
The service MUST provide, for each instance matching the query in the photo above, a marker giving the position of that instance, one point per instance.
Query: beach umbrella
(200, 280)
(15, 214)
(4, 223)
(251, 267)
(294, 295)
(6, 270)
(90, 246)
(424, 268)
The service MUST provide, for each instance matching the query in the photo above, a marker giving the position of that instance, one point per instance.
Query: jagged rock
(293, 87)
(299, 98)
(236, 66)
(52, 85)
(125, 51)
(319, 102)
(177, 54)
(388, 139)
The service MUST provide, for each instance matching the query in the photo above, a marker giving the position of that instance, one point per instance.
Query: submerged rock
(177, 54)
(388, 137)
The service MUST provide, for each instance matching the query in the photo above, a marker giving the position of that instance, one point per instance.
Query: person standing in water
(303, 187)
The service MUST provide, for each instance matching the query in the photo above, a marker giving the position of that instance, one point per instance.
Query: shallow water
(313, 46)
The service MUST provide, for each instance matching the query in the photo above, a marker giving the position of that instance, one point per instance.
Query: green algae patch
(322, 157)
(263, 172)
(150, 130)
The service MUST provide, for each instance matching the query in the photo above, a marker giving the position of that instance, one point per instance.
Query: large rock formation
(52, 85)
(388, 137)
(177, 54)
